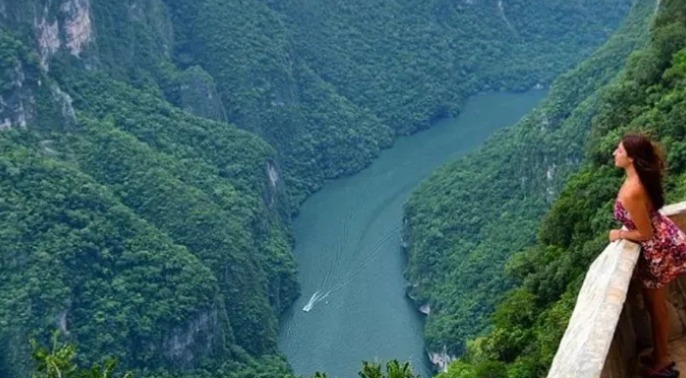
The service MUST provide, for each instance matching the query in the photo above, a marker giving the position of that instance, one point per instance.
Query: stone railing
(609, 325)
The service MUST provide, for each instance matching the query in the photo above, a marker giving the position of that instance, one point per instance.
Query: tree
(58, 362)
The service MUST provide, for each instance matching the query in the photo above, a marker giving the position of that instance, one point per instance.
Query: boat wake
(316, 297)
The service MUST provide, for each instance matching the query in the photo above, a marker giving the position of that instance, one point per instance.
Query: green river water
(349, 254)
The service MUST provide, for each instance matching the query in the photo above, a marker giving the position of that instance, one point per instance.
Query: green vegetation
(648, 96)
(145, 232)
(207, 234)
(471, 215)
(143, 225)
(59, 361)
(330, 84)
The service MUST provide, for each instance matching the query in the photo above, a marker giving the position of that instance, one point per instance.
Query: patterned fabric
(663, 257)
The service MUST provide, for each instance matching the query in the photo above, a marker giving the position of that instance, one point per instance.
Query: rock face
(48, 40)
(70, 28)
(441, 360)
(198, 94)
(77, 25)
(186, 345)
(26, 92)
(17, 99)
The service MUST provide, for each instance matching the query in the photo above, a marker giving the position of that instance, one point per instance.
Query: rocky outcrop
(65, 103)
(48, 40)
(71, 28)
(275, 187)
(198, 94)
(26, 89)
(186, 345)
(441, 360)
(77, 26)
(17, 103)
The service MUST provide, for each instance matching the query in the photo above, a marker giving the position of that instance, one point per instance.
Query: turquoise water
(349, 254)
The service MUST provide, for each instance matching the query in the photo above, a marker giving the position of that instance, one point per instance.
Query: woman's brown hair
(649, 162)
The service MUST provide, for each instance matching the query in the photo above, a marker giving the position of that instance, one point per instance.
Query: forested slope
(154, 151)
(549, 262)
(471, 215)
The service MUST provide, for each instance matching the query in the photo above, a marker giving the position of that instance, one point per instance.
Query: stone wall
(609, 325)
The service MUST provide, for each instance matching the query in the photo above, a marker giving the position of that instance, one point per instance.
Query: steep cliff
(471, 215)
(138, 220)
(541, 205)
(138, 230)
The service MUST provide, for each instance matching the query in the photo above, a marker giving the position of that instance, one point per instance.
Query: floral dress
(663, 257)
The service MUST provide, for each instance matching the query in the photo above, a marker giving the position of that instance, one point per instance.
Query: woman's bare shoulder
(633, 192)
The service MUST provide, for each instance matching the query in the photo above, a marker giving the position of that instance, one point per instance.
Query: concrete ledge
(606, 331)
(591, 328)
(674, 211)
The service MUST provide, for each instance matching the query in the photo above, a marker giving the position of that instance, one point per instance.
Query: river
(349, 255)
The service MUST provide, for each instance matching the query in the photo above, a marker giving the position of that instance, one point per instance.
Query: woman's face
(622, 160)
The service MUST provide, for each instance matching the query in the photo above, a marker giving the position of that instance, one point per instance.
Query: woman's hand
(615, 235)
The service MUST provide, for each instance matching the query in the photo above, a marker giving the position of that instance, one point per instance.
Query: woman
(663, 252)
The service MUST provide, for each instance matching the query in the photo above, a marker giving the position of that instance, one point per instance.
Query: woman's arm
(636, 204)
